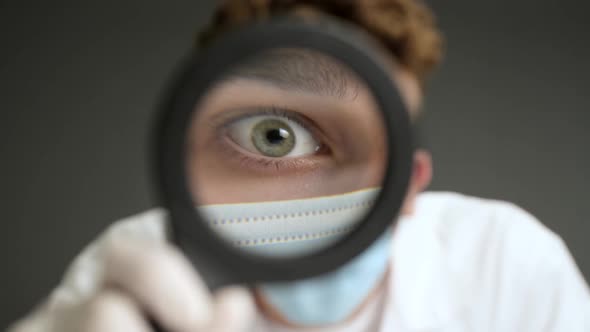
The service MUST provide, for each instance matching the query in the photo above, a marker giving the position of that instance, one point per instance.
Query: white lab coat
(459, 264)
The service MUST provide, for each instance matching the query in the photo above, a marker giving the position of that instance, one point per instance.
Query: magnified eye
(272, 136)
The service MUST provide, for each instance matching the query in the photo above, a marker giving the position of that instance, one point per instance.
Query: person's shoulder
(504, 266)
(480, 235)
(454, 214)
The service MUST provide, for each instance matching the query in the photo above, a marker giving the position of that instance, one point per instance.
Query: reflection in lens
(286, 153)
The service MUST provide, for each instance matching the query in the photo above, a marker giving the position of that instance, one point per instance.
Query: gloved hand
(141, 280)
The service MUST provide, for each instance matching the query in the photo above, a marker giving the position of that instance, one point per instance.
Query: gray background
(507, 118)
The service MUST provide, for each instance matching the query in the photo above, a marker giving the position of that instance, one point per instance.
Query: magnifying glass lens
(285, 153)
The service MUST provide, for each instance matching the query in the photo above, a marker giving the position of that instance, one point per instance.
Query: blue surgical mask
(298, 227)
(333, 297)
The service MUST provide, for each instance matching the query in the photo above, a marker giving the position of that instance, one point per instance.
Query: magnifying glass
(282, 151)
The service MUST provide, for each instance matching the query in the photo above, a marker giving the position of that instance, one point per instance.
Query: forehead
(316, 73)
(300, 70)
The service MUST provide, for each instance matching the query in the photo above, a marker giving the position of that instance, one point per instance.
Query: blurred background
(507, 118)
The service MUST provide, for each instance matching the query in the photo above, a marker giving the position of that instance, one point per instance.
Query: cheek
(214, 182)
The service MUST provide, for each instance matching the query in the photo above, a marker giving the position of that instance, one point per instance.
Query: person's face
(340, 143)
(273, 133)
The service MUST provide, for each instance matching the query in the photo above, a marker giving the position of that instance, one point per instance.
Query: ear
(420, 179)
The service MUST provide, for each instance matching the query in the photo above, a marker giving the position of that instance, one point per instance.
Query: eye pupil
(277, 136)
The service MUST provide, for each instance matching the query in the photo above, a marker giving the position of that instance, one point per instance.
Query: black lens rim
(210, 255)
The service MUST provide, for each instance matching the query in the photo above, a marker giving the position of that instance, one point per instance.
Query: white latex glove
(141, 279)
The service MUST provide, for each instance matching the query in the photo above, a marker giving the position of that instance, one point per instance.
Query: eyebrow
(302, 70)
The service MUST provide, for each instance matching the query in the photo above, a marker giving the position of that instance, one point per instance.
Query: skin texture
(335, 109)
(331, 106)
(355, 160)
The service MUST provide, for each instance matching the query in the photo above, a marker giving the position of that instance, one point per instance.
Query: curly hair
(406, 28)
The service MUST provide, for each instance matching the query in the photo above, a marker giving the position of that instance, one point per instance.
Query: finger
(234, 310)
(162, 281)
(110, 311)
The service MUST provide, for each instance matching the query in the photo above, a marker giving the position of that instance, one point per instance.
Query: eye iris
(273, 138)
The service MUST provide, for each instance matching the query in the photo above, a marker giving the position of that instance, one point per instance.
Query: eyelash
(274, 111)
(271, 164)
